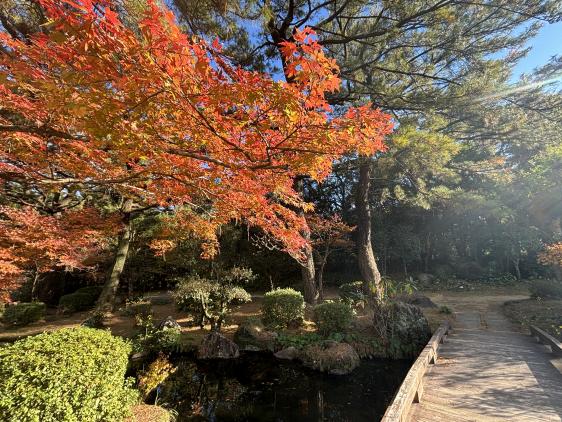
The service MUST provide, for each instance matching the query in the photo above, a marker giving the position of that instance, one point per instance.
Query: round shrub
(70, 375)
(81, 300)
(352, 293)
(333, 317)
(545, 289)
(23, 313)
(282, 308)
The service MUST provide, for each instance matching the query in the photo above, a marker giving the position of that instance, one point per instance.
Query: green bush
(545, 289)
(152, 340)
(81, 300)
(24, 313)
(140, 307)
(352, 293)
(210, 300)
(282, 308)
(333, 317)
(70, 375)
(94, 320)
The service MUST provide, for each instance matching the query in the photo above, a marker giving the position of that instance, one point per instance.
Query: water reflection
(260, 388)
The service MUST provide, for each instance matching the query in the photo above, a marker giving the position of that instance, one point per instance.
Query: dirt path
(488, 369)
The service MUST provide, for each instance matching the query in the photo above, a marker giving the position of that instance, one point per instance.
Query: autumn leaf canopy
(168, 120)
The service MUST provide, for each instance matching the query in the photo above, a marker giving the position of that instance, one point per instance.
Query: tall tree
(165, 120)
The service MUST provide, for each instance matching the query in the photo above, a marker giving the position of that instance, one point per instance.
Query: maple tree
(327, 235)
(31, 243)
(166, 120)
(552, 255)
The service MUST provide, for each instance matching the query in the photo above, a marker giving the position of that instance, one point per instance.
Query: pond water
(258, 387)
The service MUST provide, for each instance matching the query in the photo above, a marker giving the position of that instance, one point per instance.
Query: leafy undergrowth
(496, 285)
(545, 314)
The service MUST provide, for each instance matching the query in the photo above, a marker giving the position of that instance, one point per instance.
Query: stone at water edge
(168, 323)
(331, 357)
(289, 353)
(217, 346)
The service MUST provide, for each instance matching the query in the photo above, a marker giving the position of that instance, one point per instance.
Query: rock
(217, 346)
(404, 328)
(139, 355)
(425, 278)
(252, 336)
(331, 357)
(168, 323)
(417, 299)
(289, 353)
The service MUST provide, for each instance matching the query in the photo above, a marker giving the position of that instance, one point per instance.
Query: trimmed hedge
(69, 375)
(333, 317)
(23, 313)
(81, 300)
(282, 308)
(546, 289)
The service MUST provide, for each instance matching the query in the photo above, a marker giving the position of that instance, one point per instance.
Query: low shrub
(282, 308)
(156, 373)
(444, 309)
(301, 340)
(140, 307)
(81, 300)
(333, 317)
(94, 320)
(68, 375)
(545, 289)
(209, 301)
(403, 328)
(152, 340)
(352, 293)
(23, 313)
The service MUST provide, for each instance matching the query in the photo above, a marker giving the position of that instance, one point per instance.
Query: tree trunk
(320, 274)
(517, 269)
(36, 276)
(308, 277)
(307, 265)
(365, 255)
(427, 255)
(107, 297)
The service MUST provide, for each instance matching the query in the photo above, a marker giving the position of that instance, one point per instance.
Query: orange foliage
(168, 120)
(552, 255)
(329, 232)
(36, 243)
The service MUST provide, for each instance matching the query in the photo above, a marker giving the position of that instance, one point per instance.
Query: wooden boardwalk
(487, 371)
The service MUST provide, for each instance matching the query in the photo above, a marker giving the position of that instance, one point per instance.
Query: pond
(258, 387)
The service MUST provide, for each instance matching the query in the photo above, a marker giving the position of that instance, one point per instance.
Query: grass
(545, 314)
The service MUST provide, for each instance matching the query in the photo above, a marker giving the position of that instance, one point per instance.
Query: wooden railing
(411, 389)
(546, 339)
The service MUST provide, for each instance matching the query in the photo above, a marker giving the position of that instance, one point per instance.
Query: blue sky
(546, 44)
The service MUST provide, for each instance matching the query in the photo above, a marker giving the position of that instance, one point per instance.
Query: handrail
(411, 389)
(546, 339)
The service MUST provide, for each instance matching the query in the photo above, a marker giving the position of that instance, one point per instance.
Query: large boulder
(331, 357)
(252, 336)
(404, 328)
(217, 346)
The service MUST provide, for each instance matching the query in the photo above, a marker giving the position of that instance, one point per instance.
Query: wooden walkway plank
(487, 371)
